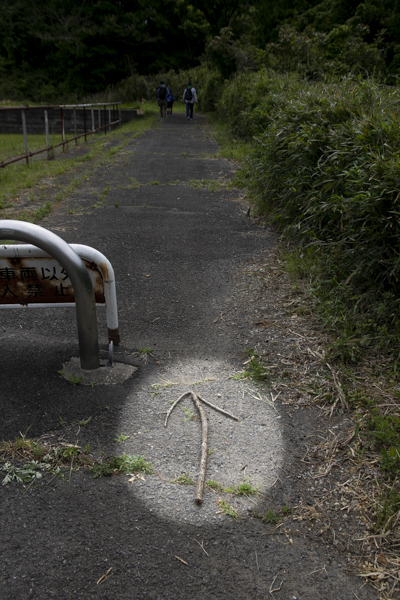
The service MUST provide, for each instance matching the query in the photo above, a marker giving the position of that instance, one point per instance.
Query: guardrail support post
(46, 127)
(25, 135)
(62, 129)
(84, 121)
(75, 134)
(79, 276)
(92, 111)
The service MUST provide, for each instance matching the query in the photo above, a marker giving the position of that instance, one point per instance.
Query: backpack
(188, 94)
(170, 98)
(162, 92)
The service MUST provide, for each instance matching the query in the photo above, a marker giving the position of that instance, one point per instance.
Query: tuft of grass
(184, 479)
(246, 489)
(74, 379)
(85, 422)
(121, 438)
(215, 485)
(122, 464)
(270, 517)
(146, 350)
(254, 368)
(227, 508)
(189, 414)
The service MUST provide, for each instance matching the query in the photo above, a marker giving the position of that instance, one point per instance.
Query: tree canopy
(56, 47)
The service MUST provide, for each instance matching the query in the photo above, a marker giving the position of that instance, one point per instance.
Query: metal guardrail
(47, 286)
(77, 272)
(101, 106)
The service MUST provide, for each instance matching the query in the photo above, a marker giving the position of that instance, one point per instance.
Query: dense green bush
(325, 167)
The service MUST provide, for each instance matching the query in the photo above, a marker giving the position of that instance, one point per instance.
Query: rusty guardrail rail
(113, 108)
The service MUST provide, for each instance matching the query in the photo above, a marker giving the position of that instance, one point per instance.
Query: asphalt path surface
(177, 237)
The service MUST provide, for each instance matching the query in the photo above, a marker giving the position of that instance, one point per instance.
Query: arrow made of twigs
(197, 400)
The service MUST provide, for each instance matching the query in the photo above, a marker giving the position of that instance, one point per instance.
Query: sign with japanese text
(41, 280)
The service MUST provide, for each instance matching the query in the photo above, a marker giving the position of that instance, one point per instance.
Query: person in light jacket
(189, 97)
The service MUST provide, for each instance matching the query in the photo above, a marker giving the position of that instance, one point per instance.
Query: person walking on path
(162, 93)
(190, 97)
(170, 103)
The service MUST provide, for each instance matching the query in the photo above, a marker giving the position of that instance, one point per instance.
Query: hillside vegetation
(324, 168)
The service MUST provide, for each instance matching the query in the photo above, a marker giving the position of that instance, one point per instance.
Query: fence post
(75, 133)
(46, 127)
(62, 129)
(92, 111)
(105, 120)
(84, 121)
(99, 115)
(25, 136)
(109, 118)
(120, 115)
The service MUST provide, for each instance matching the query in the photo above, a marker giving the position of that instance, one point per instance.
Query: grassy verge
(359, 370)
(28, 192)
(12, 144)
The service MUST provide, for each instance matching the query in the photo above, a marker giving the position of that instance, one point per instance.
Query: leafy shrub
(325, 168)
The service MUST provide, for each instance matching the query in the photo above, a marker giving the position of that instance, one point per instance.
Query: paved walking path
(180, 243)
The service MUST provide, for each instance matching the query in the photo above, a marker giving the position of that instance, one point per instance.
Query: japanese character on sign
(34, 290)
(7, 274)
(28, 273)
(63, 290)
(54, 276)
(7, 290)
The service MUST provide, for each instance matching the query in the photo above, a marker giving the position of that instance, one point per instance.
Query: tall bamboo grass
(325, 168)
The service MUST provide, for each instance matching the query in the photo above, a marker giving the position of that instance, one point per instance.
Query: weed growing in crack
(122, 464)
(121, 438)
(227, 508)
(189, 414)
(246, 489)
(215, 485)
(146, 350)
(184, 479)
(74, 379)
(270, 517)
(84, 422)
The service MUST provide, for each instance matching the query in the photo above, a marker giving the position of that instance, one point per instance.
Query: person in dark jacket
(162, 93)
(189, 97)
(170, 103)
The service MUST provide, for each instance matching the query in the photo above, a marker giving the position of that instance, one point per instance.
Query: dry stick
(203, 461)
(218, 409)
(173, 406)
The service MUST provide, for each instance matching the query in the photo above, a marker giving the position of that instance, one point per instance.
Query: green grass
(146, 350)
(121, 438)
(184, 479)
(246, 489)
(231, 147)
(122, 464)
(270, 517)
(189, 414)
(12, 144)
(37, 179)
(227, 509)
